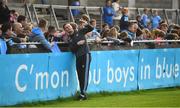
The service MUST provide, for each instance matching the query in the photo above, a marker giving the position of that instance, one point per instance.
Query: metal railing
(37, 47)
(152, 41)
(107, 42)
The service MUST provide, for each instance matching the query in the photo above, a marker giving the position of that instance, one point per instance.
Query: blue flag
(55, 48)
(3, 47)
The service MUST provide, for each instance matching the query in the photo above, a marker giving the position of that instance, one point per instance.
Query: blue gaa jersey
(124, 22)
(155, 22)
(144, 20)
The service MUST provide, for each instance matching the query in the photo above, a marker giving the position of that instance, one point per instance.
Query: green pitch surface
(169, 97)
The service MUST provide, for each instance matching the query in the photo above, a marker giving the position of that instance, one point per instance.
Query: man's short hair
(42, 23)
(93, 20)
(21, 18)
(65, 25)
(5, 27)
(51, 28)
(85, 17)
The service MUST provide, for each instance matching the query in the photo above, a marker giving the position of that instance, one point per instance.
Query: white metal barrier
(152, 41)
(108, 42)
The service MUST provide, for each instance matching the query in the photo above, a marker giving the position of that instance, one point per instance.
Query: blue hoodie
(108, 15)
(38, 36)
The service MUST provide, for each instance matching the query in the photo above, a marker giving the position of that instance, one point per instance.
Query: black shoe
(82, 97)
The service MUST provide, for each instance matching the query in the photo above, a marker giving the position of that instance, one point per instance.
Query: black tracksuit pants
(82, 66)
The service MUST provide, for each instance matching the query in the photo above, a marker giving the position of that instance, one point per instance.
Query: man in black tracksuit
(78, 45)
(4, 12)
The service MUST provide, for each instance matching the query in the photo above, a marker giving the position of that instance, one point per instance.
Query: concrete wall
(60, 2)
(176, 4)
(102, 2)
(138, 3)
(154, 3)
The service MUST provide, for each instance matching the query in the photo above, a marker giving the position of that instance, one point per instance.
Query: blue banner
(177, 67)
(19, 78)
(156, 68)
(38, 77)
(63, 82)
(113, 71)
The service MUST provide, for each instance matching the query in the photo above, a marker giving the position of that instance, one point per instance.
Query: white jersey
(116, 8)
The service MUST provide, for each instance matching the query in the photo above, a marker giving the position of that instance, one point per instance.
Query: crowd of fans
(15, 28)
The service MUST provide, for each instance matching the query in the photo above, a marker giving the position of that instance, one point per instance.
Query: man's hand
(52, 44)
(81, 42)
(98, 40)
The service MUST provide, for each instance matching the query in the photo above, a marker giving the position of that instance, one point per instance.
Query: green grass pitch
(169, 97)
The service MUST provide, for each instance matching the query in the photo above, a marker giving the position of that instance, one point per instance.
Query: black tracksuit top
(79, 50)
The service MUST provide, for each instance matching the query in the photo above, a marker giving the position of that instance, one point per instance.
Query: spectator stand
(61, 14)
(169, 15)
(23, 9)
(58, 14)
(96, 13)
(75, 17)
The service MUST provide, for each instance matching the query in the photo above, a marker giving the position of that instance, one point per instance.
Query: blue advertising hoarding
(38, 77)
(177, 67)
(112, 71)
(63, 82)
(156, 68)
(18, 78)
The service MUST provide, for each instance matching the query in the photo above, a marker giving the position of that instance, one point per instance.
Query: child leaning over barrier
(38, 35)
